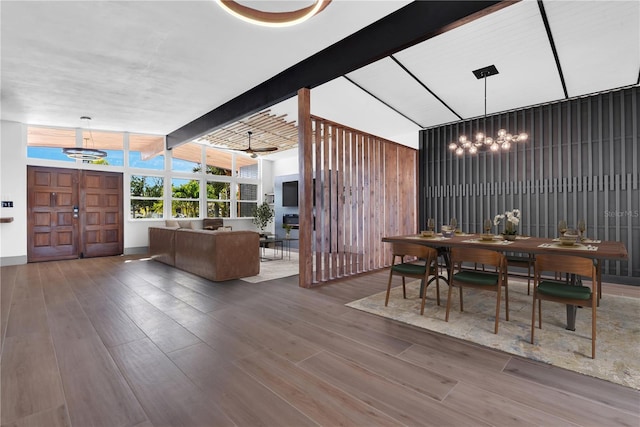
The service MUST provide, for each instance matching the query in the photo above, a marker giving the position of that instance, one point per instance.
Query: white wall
(286, 166)
(13, 187)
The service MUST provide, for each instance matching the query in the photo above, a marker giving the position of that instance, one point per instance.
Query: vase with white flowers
(512, 219)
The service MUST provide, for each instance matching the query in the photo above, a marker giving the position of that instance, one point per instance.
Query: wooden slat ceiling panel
(268, 130)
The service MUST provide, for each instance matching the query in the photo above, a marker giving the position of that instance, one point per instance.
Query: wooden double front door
(73, 213)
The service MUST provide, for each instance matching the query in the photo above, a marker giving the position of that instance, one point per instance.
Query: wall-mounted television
(290, 193)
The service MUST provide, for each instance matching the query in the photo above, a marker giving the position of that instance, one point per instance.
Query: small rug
(617, 323)
(276, 269)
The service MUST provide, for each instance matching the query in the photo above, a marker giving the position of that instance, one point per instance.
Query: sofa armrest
(162, 245)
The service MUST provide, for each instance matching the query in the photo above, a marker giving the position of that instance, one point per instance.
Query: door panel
(102, 216)
(52, 230)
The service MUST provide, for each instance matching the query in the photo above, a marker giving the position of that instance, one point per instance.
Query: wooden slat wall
(581, 161)
(364, 187)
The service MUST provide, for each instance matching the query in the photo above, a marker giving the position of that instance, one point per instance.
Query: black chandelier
(502, 141)
(85, 153)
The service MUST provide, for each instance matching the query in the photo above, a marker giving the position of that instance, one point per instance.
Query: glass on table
(453, 223)
(431, 224)
(581, 228)
(487, 226)
(562, 227)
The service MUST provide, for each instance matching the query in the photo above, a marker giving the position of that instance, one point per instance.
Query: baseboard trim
(13, 260)
(136, 250)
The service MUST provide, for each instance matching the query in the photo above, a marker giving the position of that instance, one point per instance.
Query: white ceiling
(153, 66)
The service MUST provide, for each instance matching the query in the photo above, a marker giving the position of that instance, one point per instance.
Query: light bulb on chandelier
(502, 141)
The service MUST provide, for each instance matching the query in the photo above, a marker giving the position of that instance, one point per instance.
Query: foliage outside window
(146, 196)
(185, 195)
(218, 199)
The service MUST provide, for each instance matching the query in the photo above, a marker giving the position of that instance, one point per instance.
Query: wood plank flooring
(125, 341)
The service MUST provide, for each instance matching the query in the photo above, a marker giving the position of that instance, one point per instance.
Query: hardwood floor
(124, 341)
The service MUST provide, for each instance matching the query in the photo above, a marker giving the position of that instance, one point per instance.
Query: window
(187, 158)
(146, 196)
(146, 152)
(185, 195)
(246, 167)
(47, 143)
(247, 199)
(218, 199)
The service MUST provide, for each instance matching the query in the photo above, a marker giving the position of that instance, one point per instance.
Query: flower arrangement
(512, 220)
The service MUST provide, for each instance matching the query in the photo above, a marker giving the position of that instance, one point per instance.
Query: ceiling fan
(253, 151)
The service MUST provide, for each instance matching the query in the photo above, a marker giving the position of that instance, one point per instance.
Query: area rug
(617, 340)
(276, 268)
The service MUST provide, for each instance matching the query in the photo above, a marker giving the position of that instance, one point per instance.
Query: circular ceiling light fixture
(85, 153)
(272, 19)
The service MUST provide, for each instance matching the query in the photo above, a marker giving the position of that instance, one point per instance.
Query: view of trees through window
(147, 196)
(227, 187)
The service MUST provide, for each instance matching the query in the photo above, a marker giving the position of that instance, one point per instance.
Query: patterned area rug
(276, 268)
(617, 340)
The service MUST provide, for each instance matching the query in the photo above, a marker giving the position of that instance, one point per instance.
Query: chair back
(570, 264)
(416, 250)
(478, 256)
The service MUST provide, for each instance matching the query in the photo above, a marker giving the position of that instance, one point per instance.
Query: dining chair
(481, 280)
(425, 265)
(562, 292)
(522, 261)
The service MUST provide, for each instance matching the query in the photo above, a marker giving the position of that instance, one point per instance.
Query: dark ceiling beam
(552, 43)
(412, 24)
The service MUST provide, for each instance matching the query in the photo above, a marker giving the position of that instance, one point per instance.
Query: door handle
(75, 212)
(53, 200)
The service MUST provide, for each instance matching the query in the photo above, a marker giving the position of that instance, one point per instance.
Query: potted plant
(262, 216)
(287, 230)
(512, 219)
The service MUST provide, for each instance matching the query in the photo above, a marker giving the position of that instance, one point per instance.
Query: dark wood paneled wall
(580, 162)
(362, 188)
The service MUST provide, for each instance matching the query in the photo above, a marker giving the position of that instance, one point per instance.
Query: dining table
(598, 250)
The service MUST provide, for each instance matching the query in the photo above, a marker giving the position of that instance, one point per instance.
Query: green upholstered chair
(475, 279)
(426, 264)
(563, 292)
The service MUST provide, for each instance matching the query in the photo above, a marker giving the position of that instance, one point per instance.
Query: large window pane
(187, 158)
(246, 167)
(246, 193)
(146, 196)
(146, 151)
(47, 143)
(218, 161)
(218, 196)
(111, 142)
(186, 198)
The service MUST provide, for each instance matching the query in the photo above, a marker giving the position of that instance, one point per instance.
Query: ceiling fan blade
(260, 150)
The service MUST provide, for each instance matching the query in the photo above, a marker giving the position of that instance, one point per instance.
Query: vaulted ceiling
(154, 66)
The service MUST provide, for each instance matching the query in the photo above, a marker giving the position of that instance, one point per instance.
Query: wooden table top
(589, 249)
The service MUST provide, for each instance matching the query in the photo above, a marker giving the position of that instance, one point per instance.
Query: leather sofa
(214, 255)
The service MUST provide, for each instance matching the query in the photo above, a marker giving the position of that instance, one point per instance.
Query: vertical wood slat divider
(359, 197)
(305, 166)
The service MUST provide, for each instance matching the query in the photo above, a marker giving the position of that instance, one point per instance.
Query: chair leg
(506, 299)
(386, 300)
(404, 289)
(424, 293)
(539, 314)
(528, 278)
(495, 329)
(533, 316)
(446, 318)
(461, 303)
(438, 288)
(593, 327)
